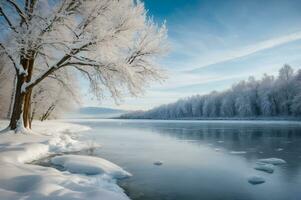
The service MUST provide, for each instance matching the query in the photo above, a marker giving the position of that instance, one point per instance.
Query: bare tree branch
(19, 10)
(7, 20)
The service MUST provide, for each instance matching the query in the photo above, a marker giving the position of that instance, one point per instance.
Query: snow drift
(89, 165)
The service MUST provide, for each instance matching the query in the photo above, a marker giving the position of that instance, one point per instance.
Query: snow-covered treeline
(268, 97)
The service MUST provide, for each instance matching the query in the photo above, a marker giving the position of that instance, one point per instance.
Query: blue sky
(215, 43)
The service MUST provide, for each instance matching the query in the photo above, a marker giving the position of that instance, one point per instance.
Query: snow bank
(19, 180)
(89, 165)
(273, 161)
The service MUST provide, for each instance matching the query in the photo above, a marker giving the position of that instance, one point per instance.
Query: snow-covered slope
(20, 180)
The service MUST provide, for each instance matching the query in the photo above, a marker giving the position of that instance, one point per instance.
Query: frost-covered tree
(228, 105)
(196, 105)
(6, 88)
(252, 93)
(212, 103)
(62, 88)
(55, 95)
(243, 103)
(296, 102)
(112, 43)
(286, 89)
(266, 96)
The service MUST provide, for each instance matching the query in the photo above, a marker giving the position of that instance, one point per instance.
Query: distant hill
(96, 112)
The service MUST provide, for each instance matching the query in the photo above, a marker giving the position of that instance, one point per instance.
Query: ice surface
(89, 165)
(238, 152)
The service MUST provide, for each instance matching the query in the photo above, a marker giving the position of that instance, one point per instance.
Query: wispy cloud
(251, 49)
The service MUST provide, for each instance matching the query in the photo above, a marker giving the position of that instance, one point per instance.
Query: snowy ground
(21, 180)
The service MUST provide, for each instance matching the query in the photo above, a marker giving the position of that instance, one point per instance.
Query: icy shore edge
(20, 180)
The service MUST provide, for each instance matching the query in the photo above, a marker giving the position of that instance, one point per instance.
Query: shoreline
(21, 178)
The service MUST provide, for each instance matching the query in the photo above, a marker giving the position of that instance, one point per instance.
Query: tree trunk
(27, 110)
(27, 99)
(16, 116)
(21, 109)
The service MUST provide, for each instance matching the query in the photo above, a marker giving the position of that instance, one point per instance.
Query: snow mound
(269, 168)
(256, 180)
(89, 165)
(273, 161)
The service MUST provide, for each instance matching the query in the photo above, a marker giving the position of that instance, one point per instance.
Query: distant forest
(268, 97)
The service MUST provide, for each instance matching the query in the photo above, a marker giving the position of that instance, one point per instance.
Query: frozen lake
(210, 160)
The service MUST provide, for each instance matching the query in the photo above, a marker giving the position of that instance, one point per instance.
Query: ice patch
(256, 180)
(273, 161)
(89, 165)
(269, 168)
(238, 152)
(158, 163)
